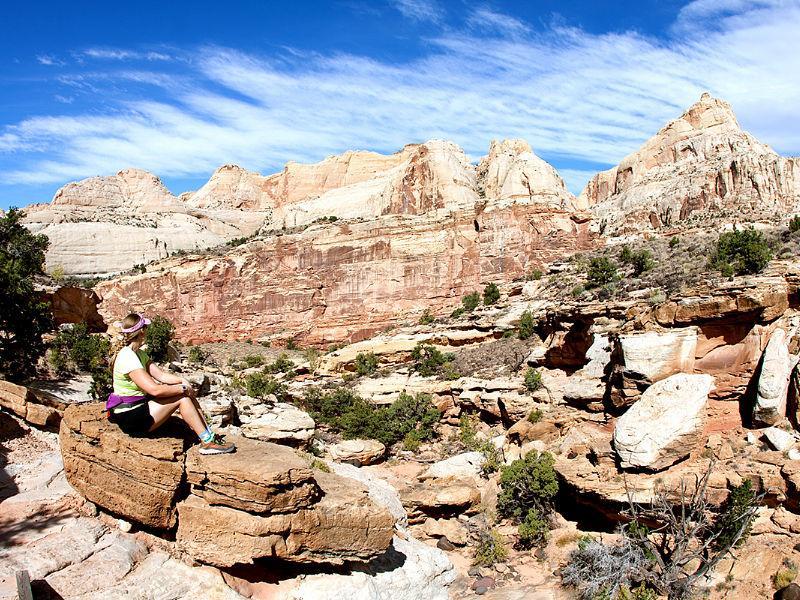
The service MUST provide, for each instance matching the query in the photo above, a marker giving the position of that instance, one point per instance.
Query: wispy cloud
(48, 60)
(490, 20)
(420, 10)
(578, 98)
(120, 54)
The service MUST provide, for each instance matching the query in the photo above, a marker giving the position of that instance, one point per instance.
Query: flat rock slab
(259, 477)
(345, 525)
(138, 478)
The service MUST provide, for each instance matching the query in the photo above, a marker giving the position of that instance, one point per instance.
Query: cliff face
(699, 166)
(106, 225)
(331, 283)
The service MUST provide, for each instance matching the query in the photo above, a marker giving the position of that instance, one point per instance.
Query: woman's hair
(120, 340)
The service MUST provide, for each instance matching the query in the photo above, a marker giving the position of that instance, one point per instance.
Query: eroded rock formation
(701, 166)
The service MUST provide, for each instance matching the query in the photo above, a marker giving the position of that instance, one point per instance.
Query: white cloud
(48, 60)
(420, 10)
(120, 54)
(578, 97)
(490, 20)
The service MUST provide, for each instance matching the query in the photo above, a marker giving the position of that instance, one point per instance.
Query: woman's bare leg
(162, 409)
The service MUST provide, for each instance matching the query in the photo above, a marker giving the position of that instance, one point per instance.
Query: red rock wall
(346, 281)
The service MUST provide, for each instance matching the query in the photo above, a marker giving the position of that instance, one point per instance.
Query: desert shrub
(491, 294)
(687, 542)
(785, 575)
(640, 260)
(196, 355)
(75, 345)
(57, 361)
(449, 371)
(457, 312)
(282, 364)
(533, 530)
(354, 417)
(526, 325)
(534, 275)
(102, 382)
(471, 301)
(492, 457)
(535, 415)
(527, 483)
(366, 363)
(23, 315)
(600, 272)
(741, 252)
(674, 241)
(291, 345)
(426, 318)
(159, 334)
(319, 465)
(312, 357)
(794, 224)
(736, 508)
(57, 274)
(467, 431)
(533, 380)
(236, 241)
(252, 360)
(261, 385)
(577, 291)
(491, 549)
(428, 359)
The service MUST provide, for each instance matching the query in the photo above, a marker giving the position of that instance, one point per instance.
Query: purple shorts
(115, 400)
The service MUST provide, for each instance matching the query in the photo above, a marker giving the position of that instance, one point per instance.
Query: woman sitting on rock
(145, 396)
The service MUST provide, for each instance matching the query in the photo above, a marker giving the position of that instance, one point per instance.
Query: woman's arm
(162, 376)
(153, 388)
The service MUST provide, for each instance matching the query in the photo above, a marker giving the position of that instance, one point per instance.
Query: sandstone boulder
(138, 478)
(665, 424)
(358, 452)
(773, 383)
(344, 525)
(440, 498)
(466, 464)
(656, 354)
(279, 422)
(260, 478)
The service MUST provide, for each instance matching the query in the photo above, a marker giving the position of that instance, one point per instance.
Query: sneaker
(217, 446)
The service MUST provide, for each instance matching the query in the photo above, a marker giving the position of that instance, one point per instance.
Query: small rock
(475, 572)
(445, 544)
(484, 582)
(358, 452)
(797, 547)
(751, 437)
(790, 592)
(794, 454)
(481, 590)
(540, 554)
(500, 568)
(124, 526)
(779, 439)
(90, 508)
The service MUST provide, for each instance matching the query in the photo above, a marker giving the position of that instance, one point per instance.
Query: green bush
(526, 325)
(366, 363)
(741, 252)
(348, 413)
(428, 360)
(533, 380)
(535, 415)
(261, 385)
(75, 345)
(57, 361)
(673, 243)
(526, 484)
(159, 334)
(426, 318)
(23, 315)
(533, 530)
(457, 312)
(534, 275)
(640, 260)
(102, 383)
(729, 520)
(282, 364)
(467, 431)
(491, 294)
(471, 301)
(196, 355)
(794, 224)
(491, 549)
(601, 271)
(785, 575)
(253, 360)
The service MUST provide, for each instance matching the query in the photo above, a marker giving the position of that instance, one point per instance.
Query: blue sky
(180, 88)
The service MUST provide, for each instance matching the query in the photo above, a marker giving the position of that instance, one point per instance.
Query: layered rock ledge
(262, 501)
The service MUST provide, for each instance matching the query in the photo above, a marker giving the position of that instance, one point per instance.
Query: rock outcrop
(665, 424)
(773, 383)
(701, 166)
(105, 225)
(262, 501)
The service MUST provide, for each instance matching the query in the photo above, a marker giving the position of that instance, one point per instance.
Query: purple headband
(139, 324)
